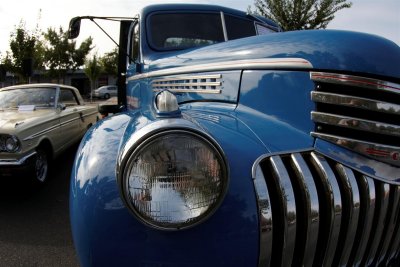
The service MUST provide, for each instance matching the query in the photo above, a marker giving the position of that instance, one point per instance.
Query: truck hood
(13, 120)
(332, 50)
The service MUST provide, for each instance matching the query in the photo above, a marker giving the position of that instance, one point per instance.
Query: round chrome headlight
(174, 180)
(12, 144)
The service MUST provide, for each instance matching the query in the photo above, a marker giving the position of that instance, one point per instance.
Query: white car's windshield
(38, 97)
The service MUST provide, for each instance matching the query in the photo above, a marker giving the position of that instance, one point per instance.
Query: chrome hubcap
(41, 166)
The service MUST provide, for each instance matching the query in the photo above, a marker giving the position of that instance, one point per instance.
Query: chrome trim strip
(56, 126)
(188, 77)
(13, 162)
(263, 63)
(310, 196)
(196, 91)
(380, 225)
(355, 123)
(352, 194)
(41, 132)
(285, 191)
(89, 114)
(152, 128)
(265, 220)
(384, 153)
(392, 217)
(69, 121)
(367, 211)
(355, 102)
(50, 129)
(350, 80)
(333, 198)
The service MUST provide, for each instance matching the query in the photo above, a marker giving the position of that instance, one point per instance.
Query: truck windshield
(175, 31)
(182, 30)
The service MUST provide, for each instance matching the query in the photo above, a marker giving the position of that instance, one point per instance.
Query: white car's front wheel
(41, 165)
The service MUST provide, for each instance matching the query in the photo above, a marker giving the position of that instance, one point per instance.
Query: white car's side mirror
(61, 107)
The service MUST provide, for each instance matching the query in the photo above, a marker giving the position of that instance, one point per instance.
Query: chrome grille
(359, 113)
(315, 211)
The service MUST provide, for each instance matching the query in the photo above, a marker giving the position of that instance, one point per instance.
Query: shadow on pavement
(34, 221)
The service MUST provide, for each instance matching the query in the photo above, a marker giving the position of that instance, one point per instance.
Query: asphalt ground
(34, 222)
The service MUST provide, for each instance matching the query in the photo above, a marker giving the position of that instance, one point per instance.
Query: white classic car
(37, 123)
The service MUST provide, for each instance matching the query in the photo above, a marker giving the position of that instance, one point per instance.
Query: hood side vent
(201, 84)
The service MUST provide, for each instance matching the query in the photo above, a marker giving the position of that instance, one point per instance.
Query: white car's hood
(12, 120)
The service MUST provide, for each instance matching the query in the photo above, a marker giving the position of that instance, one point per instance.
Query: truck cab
(236, 144)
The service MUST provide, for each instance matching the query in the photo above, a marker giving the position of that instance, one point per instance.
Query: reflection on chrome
(341, 219)
(384, 153)
(358, 113)
(358, 81)
(355, 123)
(355, 102)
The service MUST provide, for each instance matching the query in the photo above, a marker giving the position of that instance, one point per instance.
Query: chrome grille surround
(315, 211)
(360, 114)
(3, 142)
(201, 84)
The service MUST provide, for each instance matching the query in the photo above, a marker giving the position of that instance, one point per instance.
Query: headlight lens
(174, 180)
(11, 144)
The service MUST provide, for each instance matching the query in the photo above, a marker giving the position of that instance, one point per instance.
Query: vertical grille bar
(383, 196)
(310, 198)
(395, 243)
(392, 218)
(367, 211)
(265, 213)
(334, 208)
(288, 202)
(350, 188)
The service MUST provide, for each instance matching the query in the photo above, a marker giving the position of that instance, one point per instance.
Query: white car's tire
(41, 166)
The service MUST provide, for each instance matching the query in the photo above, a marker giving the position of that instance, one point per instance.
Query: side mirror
(106, 110)
(74, 27)
(61, 107)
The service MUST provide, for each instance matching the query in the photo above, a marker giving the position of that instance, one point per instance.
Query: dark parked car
(235, 144)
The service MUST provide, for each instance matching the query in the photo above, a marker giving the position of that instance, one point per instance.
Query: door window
(67, 97)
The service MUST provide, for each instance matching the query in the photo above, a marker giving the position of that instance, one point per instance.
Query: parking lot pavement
(34, 222)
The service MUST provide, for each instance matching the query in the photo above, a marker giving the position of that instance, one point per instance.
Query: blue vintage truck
(236, 144)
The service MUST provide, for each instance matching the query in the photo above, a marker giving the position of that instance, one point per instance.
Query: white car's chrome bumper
(16, 162)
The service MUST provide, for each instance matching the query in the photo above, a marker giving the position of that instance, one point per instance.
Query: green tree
(92, 70)
(300, 14)
(109, 62)
(26, 48)
(62, 55)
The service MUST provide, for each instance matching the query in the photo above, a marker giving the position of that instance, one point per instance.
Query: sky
(380, 17)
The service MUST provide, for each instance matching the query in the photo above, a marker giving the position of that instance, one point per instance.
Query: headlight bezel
(6, 140)
(130, 153)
